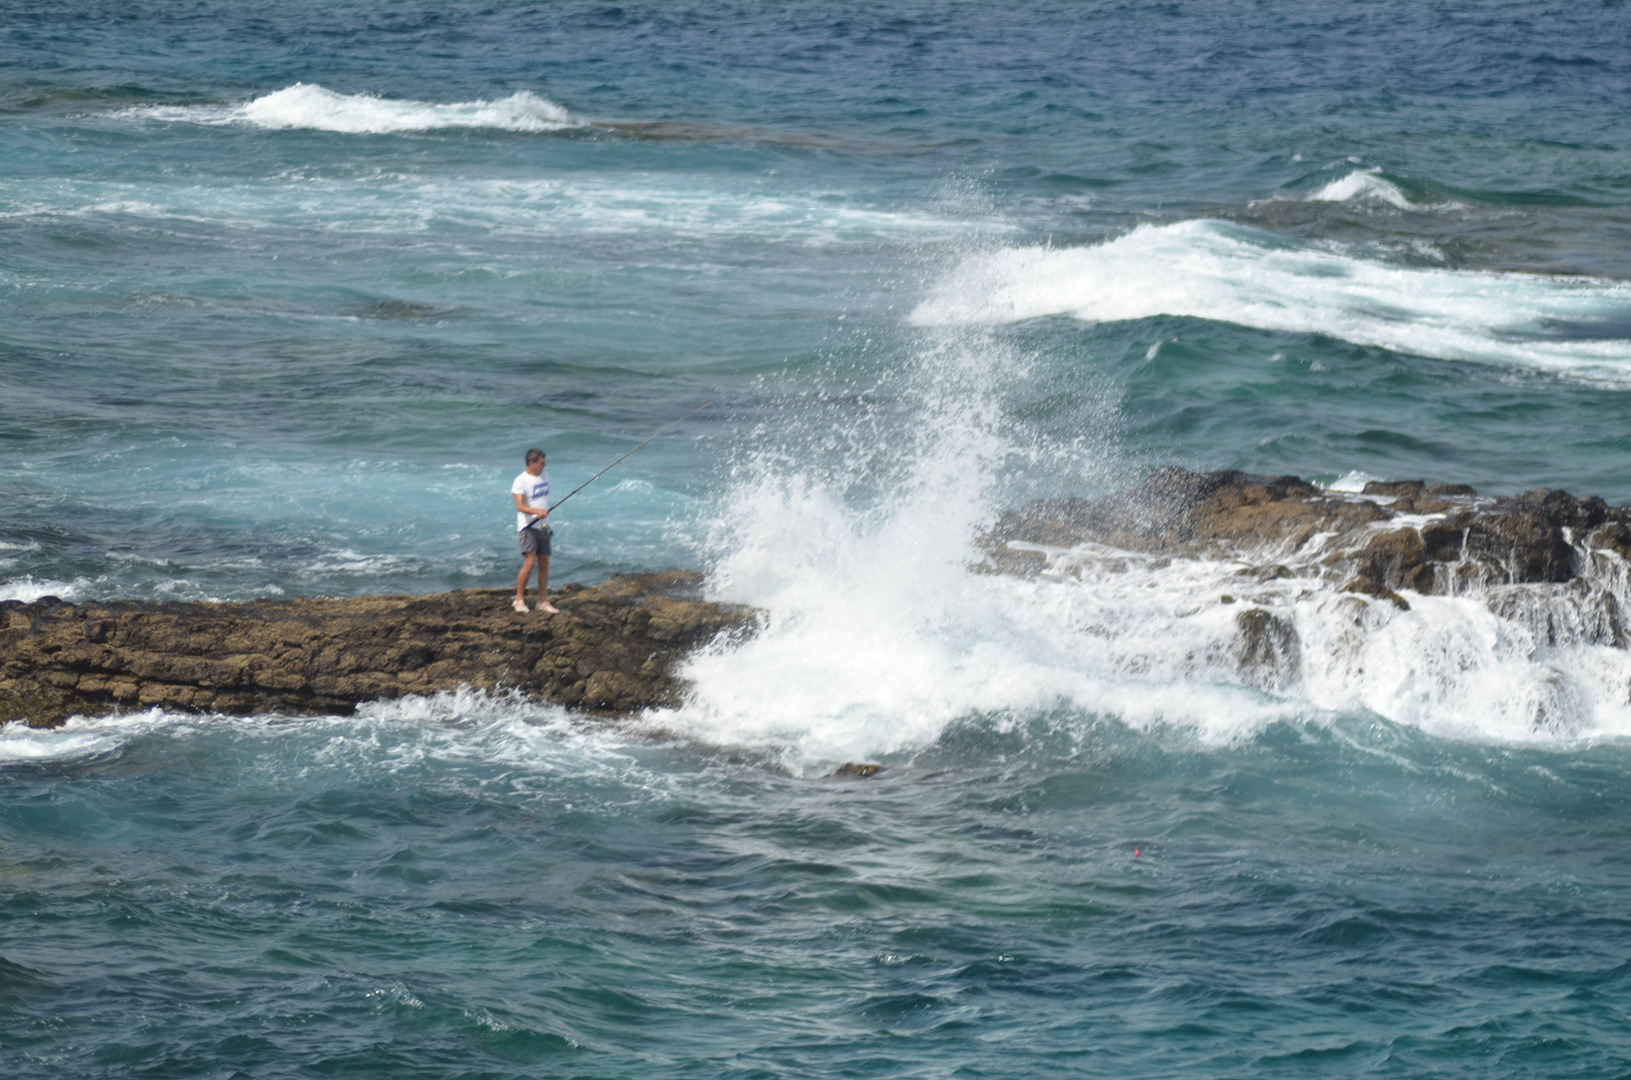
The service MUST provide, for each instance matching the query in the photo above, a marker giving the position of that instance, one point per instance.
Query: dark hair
(534, 454)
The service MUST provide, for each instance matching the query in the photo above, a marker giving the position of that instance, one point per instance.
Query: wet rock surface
(1555, 564)
(612, 650)
(1437, 540)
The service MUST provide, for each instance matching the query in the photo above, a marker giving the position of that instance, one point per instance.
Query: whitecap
(314, 107)
(29, 589)
(78, 739)
(1352, 482)
(1218, 270)
(1363, 184)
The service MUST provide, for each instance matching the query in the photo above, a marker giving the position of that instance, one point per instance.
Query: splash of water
(880, 631)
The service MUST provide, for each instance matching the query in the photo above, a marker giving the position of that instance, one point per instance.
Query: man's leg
(526, 571)
(543, 584)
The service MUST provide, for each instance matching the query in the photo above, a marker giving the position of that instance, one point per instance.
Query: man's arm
(521, 505)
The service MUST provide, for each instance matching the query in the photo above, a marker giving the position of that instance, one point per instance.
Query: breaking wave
(1364, 185)
(1217, 270)
(313, 107)
(882, 631)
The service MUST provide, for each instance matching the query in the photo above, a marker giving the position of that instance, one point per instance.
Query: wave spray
(860, 541)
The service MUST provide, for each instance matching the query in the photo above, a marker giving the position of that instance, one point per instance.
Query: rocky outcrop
(1392, 536)
(612, 650)
(1269, 654)
(1556, 563)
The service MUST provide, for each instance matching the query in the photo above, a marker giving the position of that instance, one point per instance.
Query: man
(531, 491)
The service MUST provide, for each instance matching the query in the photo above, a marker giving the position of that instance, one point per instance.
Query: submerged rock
(861, 769)
(612, 650)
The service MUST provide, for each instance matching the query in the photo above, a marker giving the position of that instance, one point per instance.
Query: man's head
(535, 461)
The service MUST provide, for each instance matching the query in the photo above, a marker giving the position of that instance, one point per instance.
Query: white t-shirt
(534, 491)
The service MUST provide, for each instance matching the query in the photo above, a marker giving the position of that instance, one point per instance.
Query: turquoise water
(286, 291)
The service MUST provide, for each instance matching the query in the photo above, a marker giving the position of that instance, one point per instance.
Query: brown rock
(1523, 539)
(1612, 536)
(861, 769)
(1395, 487)
(612, 650)
(1267, 649)
(1187, 513)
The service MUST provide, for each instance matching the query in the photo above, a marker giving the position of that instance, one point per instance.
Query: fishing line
(614, 464)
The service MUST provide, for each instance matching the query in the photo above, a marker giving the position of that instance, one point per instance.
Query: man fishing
(531, 491)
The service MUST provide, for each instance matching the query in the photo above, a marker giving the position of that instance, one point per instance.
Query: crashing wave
(1429, 606)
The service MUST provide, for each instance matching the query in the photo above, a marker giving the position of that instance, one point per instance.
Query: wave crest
(1217, 270)
(316, 108)
(1361, 185)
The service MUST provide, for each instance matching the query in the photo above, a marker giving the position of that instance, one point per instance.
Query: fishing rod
(614, 464)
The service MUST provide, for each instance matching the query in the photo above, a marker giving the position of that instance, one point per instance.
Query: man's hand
(521, 505)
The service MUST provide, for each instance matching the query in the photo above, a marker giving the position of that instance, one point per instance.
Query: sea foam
(881, 633)
(444, 732)
(1231, 273)
(879, 638)
(314, 107)
(1361, 185)
(28, 589)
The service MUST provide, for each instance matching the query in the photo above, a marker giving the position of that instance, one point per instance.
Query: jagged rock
(1269, 521)
(612, 650)
(1391, 539)
(861, 769)
(1180, 512)
(1612, 536)
(1390, 560)
(1395, 487)
(1268, 649)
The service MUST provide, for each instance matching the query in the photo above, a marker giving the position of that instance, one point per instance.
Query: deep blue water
(286, 289)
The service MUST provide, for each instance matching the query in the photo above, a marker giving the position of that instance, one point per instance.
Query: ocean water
(287, 289)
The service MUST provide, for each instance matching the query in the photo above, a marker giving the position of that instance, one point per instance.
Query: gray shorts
(535, 540)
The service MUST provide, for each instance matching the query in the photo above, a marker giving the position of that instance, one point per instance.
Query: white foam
(1450, 665)
(440, 214)
(1363, 184)
(20, 743)
(878, 637)
(870, 646)
(78, 739)
(454, 732)
(313, 107)
(29, 589)
(1230, 273)
(1351, 482)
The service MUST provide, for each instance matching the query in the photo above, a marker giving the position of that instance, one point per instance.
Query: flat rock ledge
(613, 650)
